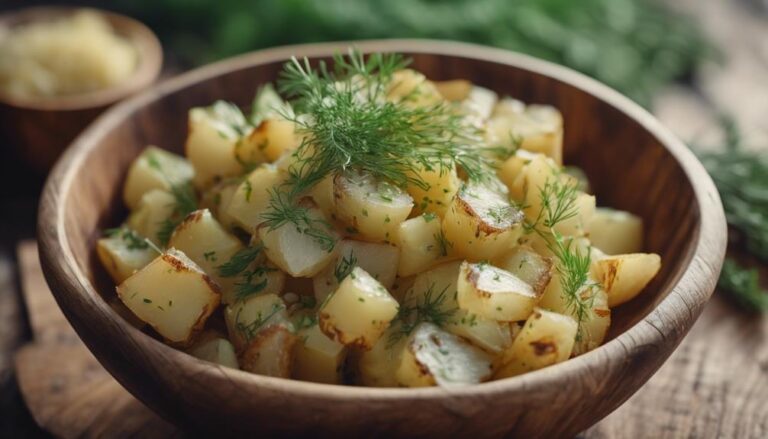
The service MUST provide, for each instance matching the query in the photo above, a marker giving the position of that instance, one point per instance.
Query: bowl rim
(146, 43)
(671, 318)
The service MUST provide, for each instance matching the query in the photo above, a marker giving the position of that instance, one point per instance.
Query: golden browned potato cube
(317, 358)
(481, 223)
(547, 338)
(624, 276)
(214, 133)
(172, 294)
(529, 266)
(494, 293)
(154, 169)
(378, 260)
(359, 311)
(616, 232)
(124, 253)
(270, 352)
(432, 357)
(268, 141)
(373, 208)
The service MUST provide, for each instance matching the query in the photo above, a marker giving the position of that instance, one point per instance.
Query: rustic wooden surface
(714, 385)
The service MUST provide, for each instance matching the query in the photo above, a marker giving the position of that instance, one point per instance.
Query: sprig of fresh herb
(345, 267)
(132, 239)
(240, 261)
(430, 309)
(249, 285)
(249, 330)
(743, 285)
(283, 211)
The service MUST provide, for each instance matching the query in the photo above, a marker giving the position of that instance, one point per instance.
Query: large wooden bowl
(632, 161)
(40, 128)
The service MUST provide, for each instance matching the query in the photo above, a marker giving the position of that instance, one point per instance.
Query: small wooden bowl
(40, 128)
(632, 161)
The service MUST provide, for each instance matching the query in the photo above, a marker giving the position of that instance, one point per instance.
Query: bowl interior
(626, 165)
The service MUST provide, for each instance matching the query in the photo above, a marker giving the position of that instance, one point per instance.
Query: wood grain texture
(632, 161)
(41, 128)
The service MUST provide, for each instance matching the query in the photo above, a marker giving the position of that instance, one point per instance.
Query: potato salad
(361, 224)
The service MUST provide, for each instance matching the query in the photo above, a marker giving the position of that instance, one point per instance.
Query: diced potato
(454, 90)
(216, 350)
(154, 209)
(539, 175)
(624, 276)
(442, 185)
(480, 102)
(296, 252)
(540, 127)
(378, 366)
(154, 169)
(594, 318)
(251, 199)
(401, 286)
(432, 356)
(267, 104)
(245, 319)
(173, 295)
(494, 293)
(322, 195)
(412, 88)
(217, 199)
(547, 338)
(436, 289)
(317, 358)
(206, 242)
(616, 232)
(268, 141)
(481, 224)
(531, 173)
(359, 311)
(124, 253)
(270, 352)
(422, 244)
(373, 208)
(531, 267)
(213, 134)
(378, 260)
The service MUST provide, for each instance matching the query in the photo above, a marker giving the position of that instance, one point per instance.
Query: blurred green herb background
(635, 46)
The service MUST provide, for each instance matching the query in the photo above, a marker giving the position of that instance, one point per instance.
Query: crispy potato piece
(412, 88)
(154, 168)
(269, 352)
(173, 295)
(624, 276)
(432, 356)
(494, 293)
(481, 224)
(268, 141)
(547, 338)
(359, 311)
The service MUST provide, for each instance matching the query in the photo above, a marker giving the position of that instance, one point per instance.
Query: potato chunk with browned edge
(624, 276)
(317, 358)
(154, 168)
(173, 295)
(378, 260)
(124, 253)
(494, 293)
(359, 311)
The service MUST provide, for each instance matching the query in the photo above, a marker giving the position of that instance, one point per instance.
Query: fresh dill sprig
(431, 310)
(248, 287)
(345, 267)
(743, 284)
(443, 244)
(558, 204)
(347, 123)
(185, 202)
(240, 261)
(283, 211)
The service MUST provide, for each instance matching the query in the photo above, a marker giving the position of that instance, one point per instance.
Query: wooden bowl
(632, 161)
(40, 128)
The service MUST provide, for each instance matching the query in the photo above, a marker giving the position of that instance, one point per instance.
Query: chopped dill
(431, 310)
(240, 261)
(443, 243)
(345, 267)
(132, 239)
(283, 211)
(250, 330)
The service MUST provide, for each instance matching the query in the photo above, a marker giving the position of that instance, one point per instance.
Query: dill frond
(430, 310)
(345, 267)
(283, 211)
(240, 261)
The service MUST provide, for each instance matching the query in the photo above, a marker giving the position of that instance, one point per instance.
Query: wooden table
(714, 385)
